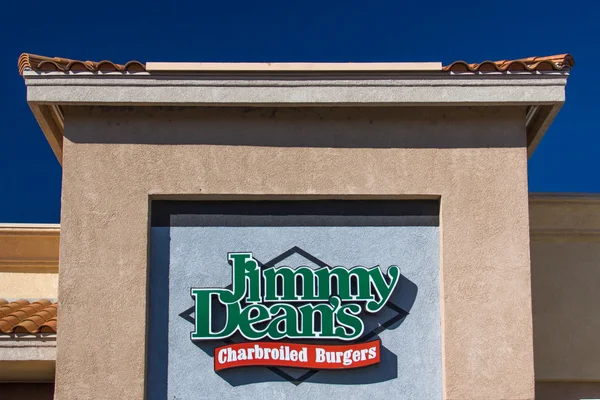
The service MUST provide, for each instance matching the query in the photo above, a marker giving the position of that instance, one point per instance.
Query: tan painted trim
(33, 230)
(286, 67)
(28, 265)
(565, 216)
(29, 248)
(552, 198)
(28, 226)
(566, 234)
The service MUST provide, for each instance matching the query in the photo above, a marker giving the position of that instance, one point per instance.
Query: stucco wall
(28, 285)
(565, 262)
(474, 159)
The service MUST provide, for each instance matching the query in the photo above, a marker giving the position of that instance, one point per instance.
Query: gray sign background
(186, 256)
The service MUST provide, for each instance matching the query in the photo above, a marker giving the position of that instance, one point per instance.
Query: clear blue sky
(338, 31)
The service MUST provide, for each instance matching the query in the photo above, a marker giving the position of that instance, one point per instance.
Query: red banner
(296, 355)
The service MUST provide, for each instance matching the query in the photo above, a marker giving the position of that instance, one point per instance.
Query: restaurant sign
(267, 307)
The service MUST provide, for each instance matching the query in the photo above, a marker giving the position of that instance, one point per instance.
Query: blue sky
(181, 30)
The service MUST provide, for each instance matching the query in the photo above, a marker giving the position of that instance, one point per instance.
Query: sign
(283, 290)
(301, 303)
(308, 356)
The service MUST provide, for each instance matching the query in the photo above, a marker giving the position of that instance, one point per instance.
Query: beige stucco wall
(28, 285)
(474, 159)
(565, 262)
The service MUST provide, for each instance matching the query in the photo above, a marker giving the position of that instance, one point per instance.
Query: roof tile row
(22, 316)
(34, 62)
(550, 63)
(50, 64)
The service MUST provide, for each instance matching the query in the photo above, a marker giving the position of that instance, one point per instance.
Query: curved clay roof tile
(557, 62)
(488, 66)
(11, 307)
(25, 312)
(457, 66)
(50, 326)
(40, 63)
(5, 326)
(50, 66)
(19, 316)
(45, 64)
(569, 60)
(544, 66)
(107, 66)
(26, 317)
(48, 313)
(26, 326)
(78, 66)
(516, 66)
(36, 319)
(135, 66)
(7, 323)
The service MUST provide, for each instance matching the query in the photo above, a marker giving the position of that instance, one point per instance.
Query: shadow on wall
(341, 127)
(26, 390)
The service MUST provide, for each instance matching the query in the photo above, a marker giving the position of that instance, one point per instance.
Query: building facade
(375, 214)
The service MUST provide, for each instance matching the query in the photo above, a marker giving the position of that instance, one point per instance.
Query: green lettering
(347, 316)
(244, 269)
(289, 279)
(203, 318)
(284, 325)
(326, 311)
(383, 289)
(246, 320)
(343, 278)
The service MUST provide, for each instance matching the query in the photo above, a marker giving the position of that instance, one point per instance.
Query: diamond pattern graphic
(398, 314)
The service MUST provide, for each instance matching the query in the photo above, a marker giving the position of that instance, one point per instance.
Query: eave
(542, 92)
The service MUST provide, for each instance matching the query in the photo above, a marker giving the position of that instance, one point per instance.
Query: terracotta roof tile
(49, 64)
(558, 62)
(22, 316)
(34, 62)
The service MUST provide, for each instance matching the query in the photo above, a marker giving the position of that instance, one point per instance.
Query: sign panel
(282, 299)
(309, 356)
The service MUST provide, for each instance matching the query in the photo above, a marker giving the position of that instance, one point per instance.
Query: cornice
(29, 248)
